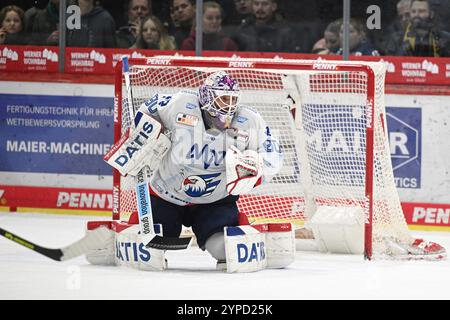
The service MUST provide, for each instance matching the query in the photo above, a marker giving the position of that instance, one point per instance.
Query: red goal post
(330, 119)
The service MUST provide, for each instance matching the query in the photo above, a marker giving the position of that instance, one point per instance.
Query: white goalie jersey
(194, 170)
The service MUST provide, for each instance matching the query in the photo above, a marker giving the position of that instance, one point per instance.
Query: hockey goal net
(329, 118)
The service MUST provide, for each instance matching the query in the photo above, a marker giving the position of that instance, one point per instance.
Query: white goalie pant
(125, 248)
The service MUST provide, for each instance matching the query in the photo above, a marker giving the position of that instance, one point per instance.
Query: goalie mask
(219, 97)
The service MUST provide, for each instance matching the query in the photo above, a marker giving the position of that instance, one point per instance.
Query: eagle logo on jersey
(200, 185)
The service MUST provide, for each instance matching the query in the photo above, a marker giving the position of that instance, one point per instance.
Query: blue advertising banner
(405, 141)
(55, 134)
(70, 135)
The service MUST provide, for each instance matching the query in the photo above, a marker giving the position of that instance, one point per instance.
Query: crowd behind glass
(406, 27)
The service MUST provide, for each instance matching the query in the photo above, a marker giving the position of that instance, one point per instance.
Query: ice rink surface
(25, 274)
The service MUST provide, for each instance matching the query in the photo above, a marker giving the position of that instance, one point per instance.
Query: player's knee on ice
(215, 245)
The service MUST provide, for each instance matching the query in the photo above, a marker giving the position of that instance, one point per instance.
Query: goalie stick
(149, 237)
(148, 234)
(78, 248)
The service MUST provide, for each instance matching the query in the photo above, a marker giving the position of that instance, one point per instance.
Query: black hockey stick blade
(169, 243)
(80, 247)
(55, 254)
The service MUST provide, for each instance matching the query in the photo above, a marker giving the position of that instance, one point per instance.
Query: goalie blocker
(145, 145)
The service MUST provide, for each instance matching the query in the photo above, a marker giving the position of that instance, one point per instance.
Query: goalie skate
(420, 249)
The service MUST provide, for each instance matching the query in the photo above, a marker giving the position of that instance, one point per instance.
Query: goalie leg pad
(280, 244)
(245, 249)
(125, 248)
(103, 253)
(131, 252)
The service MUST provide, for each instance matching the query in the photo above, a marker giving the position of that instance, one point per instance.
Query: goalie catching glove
(243, 169)
(142, 146)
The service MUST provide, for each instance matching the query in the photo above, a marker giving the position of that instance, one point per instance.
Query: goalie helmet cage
(329, 118)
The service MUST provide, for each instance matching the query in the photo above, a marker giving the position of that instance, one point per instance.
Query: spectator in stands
(174, 17)
(397, 25)
(329, 44)
(184, 11)
(161, 9)
(227, 8)
(45, 25)
(359, 44)
(12, 26)
(403, 15)
(137, 11)
(266, 31)
(242, 11)
(30, 14)
(213, 37)
(153, 35)
(174, 22)
(97, 27)
(421, 37)
(441, 8)
(320, 47)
